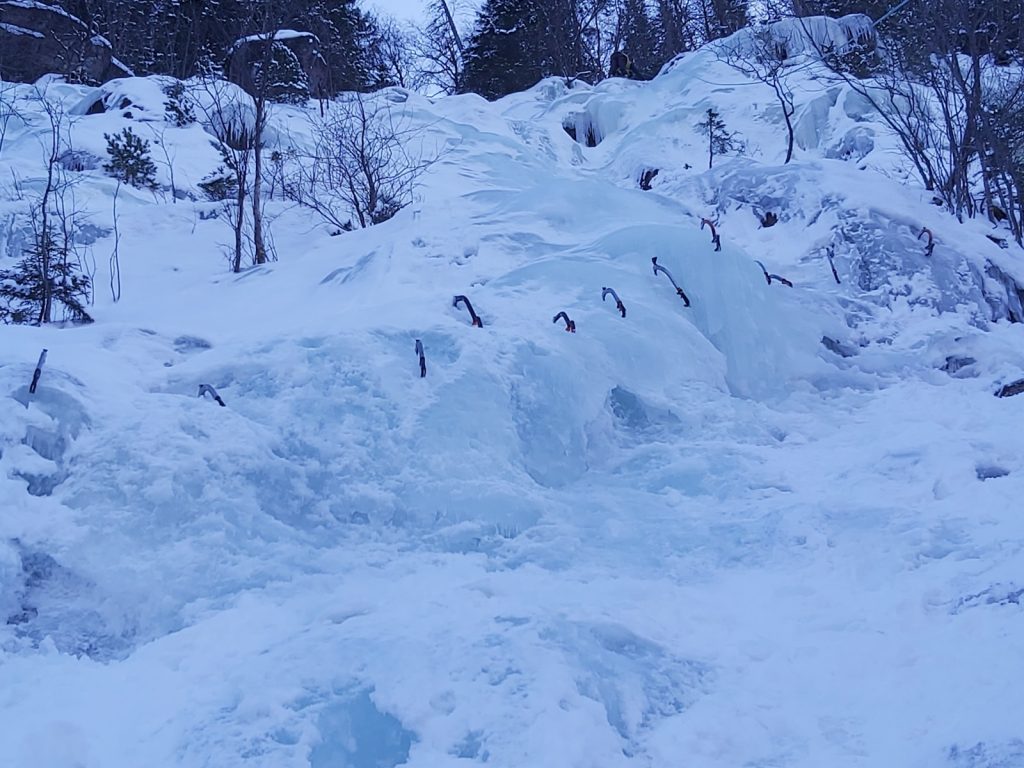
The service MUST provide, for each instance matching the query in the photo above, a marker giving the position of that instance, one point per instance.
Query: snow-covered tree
(504, 54)
(280, 75)
(637, 35)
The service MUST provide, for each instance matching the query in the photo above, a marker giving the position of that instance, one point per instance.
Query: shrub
(219, 185)
(130, 159)
(178, 107)
(47, 276)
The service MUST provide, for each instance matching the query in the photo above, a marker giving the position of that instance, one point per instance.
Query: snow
(281, 34)
(41, 7)
(809, 34)
(690, 532)
(11, 29)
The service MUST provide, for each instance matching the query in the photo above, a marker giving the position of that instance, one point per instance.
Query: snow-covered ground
(690, 536)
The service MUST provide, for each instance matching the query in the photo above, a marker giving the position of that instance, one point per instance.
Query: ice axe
(423, 359)
(475, 318)
(37, 373)
(715, 239)
(35, 377)
(206, 389)
(770, 277)
(830, 252)
(570, 326)
(618, 302)
(931, 241)
(679, 291)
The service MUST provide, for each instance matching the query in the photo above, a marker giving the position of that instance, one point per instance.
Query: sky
(414, 10)
(411, 10)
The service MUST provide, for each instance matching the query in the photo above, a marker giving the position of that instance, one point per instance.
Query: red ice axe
(570, 326)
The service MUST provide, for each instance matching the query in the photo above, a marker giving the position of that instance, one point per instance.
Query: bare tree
(229, 116)
(761, 55)
(391, 55)
(272, 19)
(360, 167)
(159, 131)
(940, 89)
(438, 49)
(271, 72)
(1001, 132)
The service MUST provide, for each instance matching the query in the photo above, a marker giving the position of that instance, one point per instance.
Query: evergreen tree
(345, 36)
(730, 16)
(130, 159)
(179, 108)
(720, 140)
(46, 275)
(638, 38)
(674, 26)
(282, 78)
(504, 55)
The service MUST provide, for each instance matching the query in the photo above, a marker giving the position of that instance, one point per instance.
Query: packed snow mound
(138, 98)
(793, 37)
(666, 533)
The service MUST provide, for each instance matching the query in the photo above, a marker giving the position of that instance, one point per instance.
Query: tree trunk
(236, 264)
(259, 249)
(789, 129)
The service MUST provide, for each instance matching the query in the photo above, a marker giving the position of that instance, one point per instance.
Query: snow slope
(690, 536)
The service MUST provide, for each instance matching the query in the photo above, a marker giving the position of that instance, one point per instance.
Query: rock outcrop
(295, 68)
(38, 39)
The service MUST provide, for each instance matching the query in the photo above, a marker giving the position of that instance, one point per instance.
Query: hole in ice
(355, 734)
(582, 130)
(636, 415)
(185, 344)
(628, 409)
(40, 485)
(471, 747)
(990, 471)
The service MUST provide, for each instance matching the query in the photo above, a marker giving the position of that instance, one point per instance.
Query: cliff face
(38, 39)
